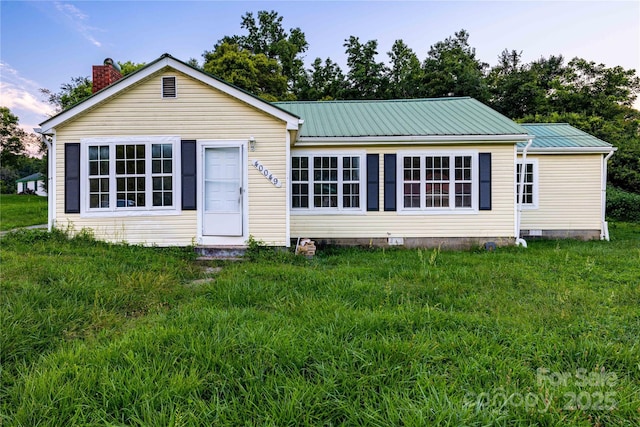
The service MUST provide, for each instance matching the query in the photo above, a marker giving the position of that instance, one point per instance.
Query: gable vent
(169, 87)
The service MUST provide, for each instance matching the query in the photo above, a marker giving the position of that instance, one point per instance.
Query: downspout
(50, 185)
(604, 229)
(520, 241)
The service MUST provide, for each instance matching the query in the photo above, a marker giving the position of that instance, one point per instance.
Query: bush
(623, 205)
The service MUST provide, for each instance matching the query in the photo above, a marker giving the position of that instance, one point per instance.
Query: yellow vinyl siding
(498, 222)
(170, 230)
(199, 112)
(569, 193)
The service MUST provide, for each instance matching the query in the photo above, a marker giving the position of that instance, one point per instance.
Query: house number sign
(264, 171)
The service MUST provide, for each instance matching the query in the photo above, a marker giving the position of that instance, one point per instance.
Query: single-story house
(170, 155)
(33, 182)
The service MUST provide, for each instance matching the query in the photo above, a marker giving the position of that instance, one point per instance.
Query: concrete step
(231, 253)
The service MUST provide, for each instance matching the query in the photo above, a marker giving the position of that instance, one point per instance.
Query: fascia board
(569, 150)
(401, 140)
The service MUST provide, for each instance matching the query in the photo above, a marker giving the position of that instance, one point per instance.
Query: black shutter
(373, 182)
(72, 178)
(189, 184)
(389, 182)
(484, 166)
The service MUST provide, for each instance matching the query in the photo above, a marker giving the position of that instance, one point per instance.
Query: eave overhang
(410, 140)
(569, 150)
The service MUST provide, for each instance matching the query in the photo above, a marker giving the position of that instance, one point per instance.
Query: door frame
(222, 240)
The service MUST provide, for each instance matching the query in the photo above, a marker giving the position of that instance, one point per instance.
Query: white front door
(222, 186)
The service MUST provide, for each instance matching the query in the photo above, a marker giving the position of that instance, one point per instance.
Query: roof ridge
(375, 101)
(545, 124)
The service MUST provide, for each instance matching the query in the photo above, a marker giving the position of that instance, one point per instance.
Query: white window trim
(311, 210)
(536, 187)
(86, 212)
(451, 210)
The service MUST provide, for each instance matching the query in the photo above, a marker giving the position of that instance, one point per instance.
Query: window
(412, 182)
(351, 182)
(300, 180)
(529, 190)
(463, 181)
(162, 174)
(326, 182)
(99, 176)
(130, 174)
(437, 181)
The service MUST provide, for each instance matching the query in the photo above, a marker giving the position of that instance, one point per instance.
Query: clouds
(78, 20)
(22, 75)
(21, 96)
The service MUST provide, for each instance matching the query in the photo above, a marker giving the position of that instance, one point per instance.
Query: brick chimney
(104, 75)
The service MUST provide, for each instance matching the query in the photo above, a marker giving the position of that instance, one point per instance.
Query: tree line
(268, 61)
(15, 163)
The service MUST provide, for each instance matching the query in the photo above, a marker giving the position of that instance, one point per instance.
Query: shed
(34, 182)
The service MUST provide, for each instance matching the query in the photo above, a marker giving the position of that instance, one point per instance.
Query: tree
(194, 63)
(324, 81)
(624, 172)
(405, 74)
(591, 97)
(11, 138)
(452, 69)
(13, 162)
(267, 36)
(130, 67)
(80, 88)
(255, 73)
(70, 93)
(597, 90)
(366, 77)
(514, 87)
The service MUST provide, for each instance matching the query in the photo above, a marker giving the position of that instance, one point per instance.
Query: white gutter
(570, 150)
(604, 229)
(520, 241)
(50, 173)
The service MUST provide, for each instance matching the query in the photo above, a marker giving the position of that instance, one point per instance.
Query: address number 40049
(266, 173)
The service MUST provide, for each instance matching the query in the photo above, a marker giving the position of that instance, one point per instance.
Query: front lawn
(21, 210)
(100, 334)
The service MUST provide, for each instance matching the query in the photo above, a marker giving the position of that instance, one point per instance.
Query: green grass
(21, 211)
(99, 334)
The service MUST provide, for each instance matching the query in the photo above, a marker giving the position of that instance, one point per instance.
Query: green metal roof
(561, 135)
(33, 177)
(406, 117)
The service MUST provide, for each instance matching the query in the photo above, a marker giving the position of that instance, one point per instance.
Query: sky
(43, 44)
